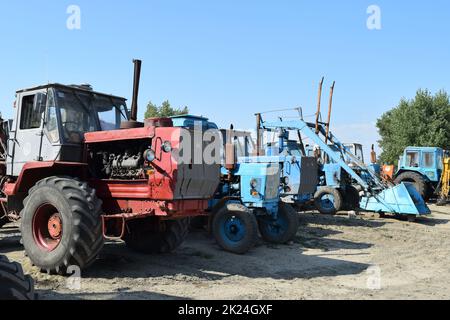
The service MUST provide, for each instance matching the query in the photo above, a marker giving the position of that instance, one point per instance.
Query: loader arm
(306, 130)
(379, 197)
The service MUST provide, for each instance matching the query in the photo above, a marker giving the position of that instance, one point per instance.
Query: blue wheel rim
(233, 230)
(327, 201)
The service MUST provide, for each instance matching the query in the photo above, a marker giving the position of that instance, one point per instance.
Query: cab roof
(84, 87)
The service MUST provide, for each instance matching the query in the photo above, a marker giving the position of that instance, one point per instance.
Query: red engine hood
(117, 135)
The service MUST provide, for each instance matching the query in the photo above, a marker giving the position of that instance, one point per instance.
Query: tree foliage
(422, 122)
(165, 110)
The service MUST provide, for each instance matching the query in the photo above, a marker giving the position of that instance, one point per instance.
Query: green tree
(423, 122)
(165, 110)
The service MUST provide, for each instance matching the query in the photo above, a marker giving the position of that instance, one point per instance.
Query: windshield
(359, 153)
(82, 112)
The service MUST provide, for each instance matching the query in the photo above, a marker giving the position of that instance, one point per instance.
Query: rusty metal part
(121, 222)
(258, 134)
(55, 226)
(137, 78)
(330, 107)
(319, 101)
(373, 155)
(131, 125)
(159, 122)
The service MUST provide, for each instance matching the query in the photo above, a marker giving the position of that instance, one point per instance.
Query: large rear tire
(419, 182)
(281, 230)
(61, 225)
(152, 236)
(235, 228)
(328, 200)
(14, 284)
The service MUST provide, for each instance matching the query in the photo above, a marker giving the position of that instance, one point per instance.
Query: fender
(33, 172)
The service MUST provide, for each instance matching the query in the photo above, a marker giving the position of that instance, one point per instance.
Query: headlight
(149, 155)
(167, 147)
(286, 180)
(253, 183)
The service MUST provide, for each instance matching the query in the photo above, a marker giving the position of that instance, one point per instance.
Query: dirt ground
(342, 257)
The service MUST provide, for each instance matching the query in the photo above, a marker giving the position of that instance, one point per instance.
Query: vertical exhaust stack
(133, 123)
(258, 134)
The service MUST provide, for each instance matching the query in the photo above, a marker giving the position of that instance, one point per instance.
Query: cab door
(25, 144)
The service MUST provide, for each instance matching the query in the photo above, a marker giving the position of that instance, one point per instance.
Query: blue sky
(229, 59)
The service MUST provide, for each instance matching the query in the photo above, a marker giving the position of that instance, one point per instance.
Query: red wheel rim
(47, 227)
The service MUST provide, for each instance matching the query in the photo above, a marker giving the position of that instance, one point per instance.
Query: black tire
(419, 182)
(441, 202)
(235, 228)
(81, 235)
(3, 221)
(14, 285)
(154, 236)
(330, 207)
(351, 198)
(283, 229)
(199, 223)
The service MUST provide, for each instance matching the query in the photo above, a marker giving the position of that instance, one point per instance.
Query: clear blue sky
(228, 59)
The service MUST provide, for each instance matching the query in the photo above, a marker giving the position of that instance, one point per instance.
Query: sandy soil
(331, 258)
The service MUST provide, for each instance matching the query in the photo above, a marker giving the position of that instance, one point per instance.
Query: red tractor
(77, 168)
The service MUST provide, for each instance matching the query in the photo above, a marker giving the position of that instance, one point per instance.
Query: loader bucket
(401, 199)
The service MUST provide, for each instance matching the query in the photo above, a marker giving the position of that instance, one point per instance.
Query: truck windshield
(82, 112)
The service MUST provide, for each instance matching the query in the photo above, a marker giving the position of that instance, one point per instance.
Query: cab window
(110, 113)
(51, 120)
(412, 159)
(428, 160)
(33, 107)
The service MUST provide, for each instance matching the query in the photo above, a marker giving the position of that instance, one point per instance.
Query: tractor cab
(427, 161)
(356, 149)
(51, 120)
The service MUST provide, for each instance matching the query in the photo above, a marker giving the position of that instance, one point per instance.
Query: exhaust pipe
(137, 79)
(133, 123)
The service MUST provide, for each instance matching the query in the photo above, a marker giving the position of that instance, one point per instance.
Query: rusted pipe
(319, 102)
(330, 107)
(137, 78)
(258, 134)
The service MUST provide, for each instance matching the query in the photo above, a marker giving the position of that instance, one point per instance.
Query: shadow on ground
(201, 258)
(122, 294)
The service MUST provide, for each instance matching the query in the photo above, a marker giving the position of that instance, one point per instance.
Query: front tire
(328, 200)
(419, 182)
(14, 284)
(61, 225)
(235, 228)
(155, 236)
(281, 230)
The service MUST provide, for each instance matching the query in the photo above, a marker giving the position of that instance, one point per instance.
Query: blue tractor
(423, 167)
(248, 197)
(352, 180)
